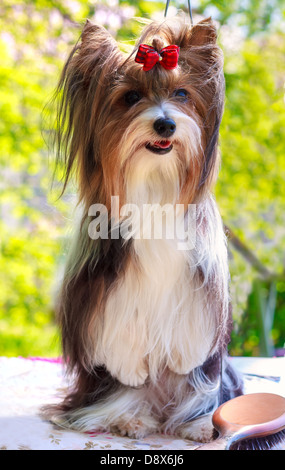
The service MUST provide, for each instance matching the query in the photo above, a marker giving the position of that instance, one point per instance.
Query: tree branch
(247, 254)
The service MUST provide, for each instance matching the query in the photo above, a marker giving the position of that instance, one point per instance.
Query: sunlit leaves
(35, 40)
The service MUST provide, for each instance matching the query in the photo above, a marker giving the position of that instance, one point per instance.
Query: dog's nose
(164, 127)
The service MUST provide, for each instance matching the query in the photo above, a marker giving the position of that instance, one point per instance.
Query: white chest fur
(156, 315)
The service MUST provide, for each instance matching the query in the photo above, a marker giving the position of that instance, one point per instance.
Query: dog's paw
(183, 364)
(133, 379)
(180, 370)
(132, 373)
(199, 430)
(135, 427)
(180, 366)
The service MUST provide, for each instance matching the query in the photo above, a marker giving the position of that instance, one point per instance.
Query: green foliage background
(35, 38)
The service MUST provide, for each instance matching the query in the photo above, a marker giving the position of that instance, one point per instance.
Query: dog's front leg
(126, 366)
(123, 355)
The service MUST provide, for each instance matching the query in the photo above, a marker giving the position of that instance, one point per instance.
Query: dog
(145, 325)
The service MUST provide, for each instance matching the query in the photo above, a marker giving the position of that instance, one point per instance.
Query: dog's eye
(132, 97)
(181, 94)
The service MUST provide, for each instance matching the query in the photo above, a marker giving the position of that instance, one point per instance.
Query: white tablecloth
(28, 384)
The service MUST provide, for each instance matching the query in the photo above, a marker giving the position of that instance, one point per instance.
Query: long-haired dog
(145, 325)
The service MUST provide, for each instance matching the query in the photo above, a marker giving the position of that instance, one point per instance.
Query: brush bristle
(273, 442)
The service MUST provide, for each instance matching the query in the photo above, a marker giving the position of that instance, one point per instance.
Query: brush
(249, 422)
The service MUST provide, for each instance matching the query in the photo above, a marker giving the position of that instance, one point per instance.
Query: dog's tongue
(163, 144)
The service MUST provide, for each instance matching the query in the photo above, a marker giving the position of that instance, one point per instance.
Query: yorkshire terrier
(145, 324)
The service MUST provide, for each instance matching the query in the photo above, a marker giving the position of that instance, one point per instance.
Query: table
(26, 384)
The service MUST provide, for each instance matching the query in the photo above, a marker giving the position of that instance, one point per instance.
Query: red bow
(148, 56)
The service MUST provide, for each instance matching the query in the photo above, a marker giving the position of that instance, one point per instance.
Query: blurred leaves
(35, 39)
(250, 188)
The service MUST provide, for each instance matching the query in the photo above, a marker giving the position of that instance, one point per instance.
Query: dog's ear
(96, 38)
(202, 61)
(202, 37)
(202, 33)
(198, 46)
(81, 92)
(97, 48)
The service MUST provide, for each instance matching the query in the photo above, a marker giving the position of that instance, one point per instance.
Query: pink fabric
(56, 360)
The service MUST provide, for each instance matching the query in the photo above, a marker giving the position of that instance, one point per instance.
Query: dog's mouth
(160, 147)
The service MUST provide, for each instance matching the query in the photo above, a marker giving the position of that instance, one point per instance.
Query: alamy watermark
(150, 221)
